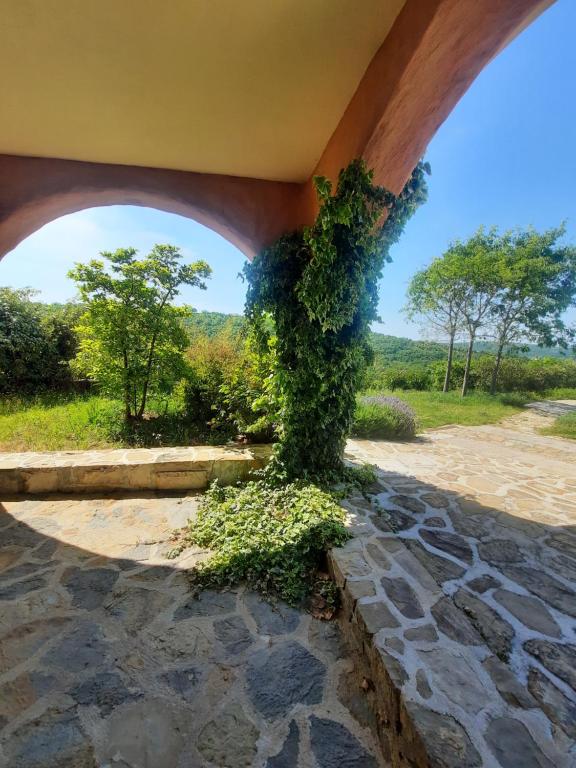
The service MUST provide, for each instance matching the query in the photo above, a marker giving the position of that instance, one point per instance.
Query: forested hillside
(388, 349)
(211, 323)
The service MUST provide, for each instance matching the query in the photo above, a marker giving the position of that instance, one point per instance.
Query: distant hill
(211, 323)
(388, 349)
(396, 349)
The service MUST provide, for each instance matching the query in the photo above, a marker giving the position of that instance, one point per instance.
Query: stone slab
(127, 469)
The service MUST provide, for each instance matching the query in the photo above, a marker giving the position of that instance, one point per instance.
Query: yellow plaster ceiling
(244, 87)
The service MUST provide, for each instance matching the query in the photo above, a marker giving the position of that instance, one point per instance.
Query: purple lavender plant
(385, 417)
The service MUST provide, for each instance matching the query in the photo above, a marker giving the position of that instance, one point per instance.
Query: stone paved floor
(464, 563)
(105, 660)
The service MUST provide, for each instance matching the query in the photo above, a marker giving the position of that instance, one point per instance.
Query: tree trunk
(468, 363)
(496, 369)
(446, 386)
(127, 408)
(147, 379)
(140, 413)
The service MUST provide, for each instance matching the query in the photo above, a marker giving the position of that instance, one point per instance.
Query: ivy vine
(320, 288)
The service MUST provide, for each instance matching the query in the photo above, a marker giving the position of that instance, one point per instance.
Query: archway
(249, 213)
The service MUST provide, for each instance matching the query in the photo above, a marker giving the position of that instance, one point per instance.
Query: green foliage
(273, 539)
(439, 380)
(212, 324)
(383, 418)
(512, 287)
(320, 289)
(399, 377)
(560, 393)
(35, 346)
(226, 392)
(55, 421)
(131, 337)
(516, 374)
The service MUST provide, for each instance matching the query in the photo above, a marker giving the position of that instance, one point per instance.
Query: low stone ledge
(158, 469)
(440, 696)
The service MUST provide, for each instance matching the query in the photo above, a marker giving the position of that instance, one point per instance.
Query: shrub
(415, 377)
(437, 372)
(385, 418)
(517, 374)
(35, 347)
(274, 539)
(225, 390)
(534, 375)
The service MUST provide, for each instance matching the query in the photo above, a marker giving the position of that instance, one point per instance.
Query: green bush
(517, 374)
(521, 375)
(225, 393)
(274, 539)
(437, 372)
(36, 345)
(385, 418)
(416, 377)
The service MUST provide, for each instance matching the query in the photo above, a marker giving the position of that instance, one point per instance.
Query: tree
(319, 286)
(436, 295)
(131, 336)
(35, 348)
(477, 262)
(538, 285)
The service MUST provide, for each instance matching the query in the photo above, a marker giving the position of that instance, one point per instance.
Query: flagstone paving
(460, 585)
(456, 645)
(106, 659)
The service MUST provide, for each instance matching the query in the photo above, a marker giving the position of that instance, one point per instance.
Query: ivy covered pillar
(319, 288)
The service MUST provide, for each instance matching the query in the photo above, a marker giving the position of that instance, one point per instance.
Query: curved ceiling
(241, 87)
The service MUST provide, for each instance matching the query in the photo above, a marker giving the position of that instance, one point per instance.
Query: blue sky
(505, 156)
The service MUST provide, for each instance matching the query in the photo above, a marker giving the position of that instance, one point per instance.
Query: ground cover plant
(272, 538)
(56, 422)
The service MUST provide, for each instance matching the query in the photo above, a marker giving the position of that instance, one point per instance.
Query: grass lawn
(54, 423)
(563, 426)
(60, 422)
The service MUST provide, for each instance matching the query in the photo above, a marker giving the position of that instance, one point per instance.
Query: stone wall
(127, 470)
(452, 681)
